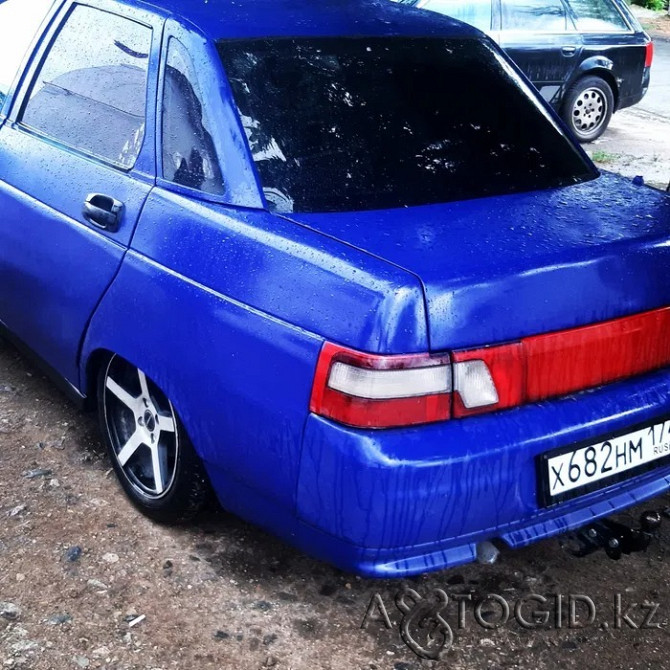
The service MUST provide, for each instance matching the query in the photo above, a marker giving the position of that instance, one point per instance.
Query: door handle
(103, 211)
(569, 51)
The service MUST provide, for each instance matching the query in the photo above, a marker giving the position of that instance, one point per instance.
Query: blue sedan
(336, 261)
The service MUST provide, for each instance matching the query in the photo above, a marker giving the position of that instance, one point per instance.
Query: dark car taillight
(373, 391)
(649, 58)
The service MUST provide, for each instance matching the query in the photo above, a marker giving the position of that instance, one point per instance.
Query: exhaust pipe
(487, 553)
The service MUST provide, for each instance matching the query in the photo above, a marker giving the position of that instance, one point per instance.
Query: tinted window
(476, 13)
(534, 15)
(19, 21)
(189, 156)
(374, 123)
(598, 16)
(91, 91)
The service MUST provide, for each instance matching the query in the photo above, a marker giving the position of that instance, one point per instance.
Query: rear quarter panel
(240, 380)
(227, 311)
(618, 58)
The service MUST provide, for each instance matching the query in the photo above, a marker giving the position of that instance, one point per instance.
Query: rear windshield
(381, 123)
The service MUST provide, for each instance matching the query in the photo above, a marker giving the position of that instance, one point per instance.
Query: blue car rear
(387, 324)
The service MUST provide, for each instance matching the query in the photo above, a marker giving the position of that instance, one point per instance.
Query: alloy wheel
(589, 111)
(142, 429)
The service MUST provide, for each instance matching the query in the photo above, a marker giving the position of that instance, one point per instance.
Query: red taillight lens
(573, 360)
(371, 391)
(649, 58)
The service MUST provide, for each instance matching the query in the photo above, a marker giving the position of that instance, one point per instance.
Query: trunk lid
(501, 268)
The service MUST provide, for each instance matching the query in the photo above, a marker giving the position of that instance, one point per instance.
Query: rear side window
(90, 93)
(546, 16)
(476, 13)
(594, 16)
(189, 155)
(19, 22)
(374, 123)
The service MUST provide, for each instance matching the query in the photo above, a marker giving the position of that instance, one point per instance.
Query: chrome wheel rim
(142, 429)
(589, 111)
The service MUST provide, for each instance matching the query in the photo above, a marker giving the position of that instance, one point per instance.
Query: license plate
(572, 472)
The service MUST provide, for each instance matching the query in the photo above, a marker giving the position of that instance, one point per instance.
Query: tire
(150, 452)
(588, 108)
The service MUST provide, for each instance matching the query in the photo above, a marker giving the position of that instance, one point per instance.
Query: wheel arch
(91, 367)
(598, 67)
(100, 355)
(238, 379)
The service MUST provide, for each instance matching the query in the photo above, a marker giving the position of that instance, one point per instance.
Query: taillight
(487, 379)
(372, 391)
(649, 58)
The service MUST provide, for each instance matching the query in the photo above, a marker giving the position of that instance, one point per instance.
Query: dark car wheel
(588, 108)
(147, 445)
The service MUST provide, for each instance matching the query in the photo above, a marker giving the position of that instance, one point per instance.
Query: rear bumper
(401, 502)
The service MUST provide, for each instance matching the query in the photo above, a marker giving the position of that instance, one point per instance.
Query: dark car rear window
(379, 123)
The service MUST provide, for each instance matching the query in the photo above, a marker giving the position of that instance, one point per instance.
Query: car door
(541, 38)
(77, 163)
(613, 42)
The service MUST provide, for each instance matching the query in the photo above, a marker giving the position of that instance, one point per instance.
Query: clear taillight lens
(473, 382)
(389, 384)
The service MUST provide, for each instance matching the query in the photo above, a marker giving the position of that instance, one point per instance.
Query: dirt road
(87, 583)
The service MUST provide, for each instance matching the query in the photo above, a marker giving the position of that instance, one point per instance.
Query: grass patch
(604, 157)
(656, 5)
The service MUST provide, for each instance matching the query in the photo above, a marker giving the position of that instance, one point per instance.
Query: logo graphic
(423, 628)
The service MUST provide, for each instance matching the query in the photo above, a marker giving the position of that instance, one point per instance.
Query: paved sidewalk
(636, 143)
(638, 139)
(657, 99)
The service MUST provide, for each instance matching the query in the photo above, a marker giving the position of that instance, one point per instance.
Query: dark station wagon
(588, 58)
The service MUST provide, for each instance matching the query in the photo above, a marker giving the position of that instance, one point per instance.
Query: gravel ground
(85, 582)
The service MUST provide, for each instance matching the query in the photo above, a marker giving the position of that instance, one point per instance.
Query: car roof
(231, 19)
